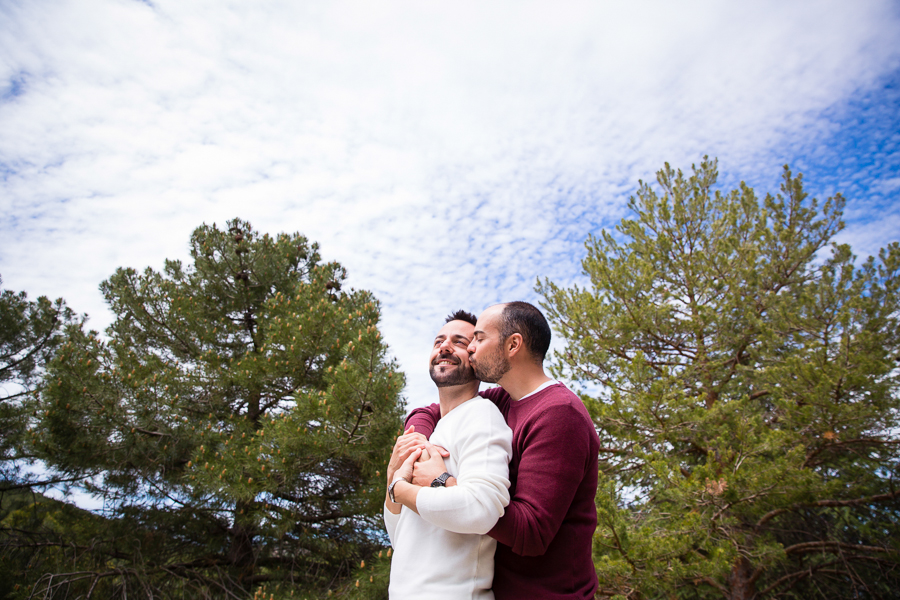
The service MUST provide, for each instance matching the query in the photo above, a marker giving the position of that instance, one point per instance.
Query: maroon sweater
(544, 538)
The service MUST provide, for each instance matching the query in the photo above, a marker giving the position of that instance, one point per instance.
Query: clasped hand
(415, 459)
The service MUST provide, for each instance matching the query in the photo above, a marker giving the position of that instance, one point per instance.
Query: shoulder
(559, 397)
(481, 413)
(558, 392)
(480, 404)
(495, 394)
(559, 408)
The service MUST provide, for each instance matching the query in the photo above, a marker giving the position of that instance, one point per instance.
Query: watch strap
(391, 489)
(441, 480)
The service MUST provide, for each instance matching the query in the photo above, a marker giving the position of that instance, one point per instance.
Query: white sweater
(443, 553)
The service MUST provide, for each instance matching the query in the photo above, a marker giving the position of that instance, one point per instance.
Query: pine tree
(744, 382)
(29, 334)
(233, 420)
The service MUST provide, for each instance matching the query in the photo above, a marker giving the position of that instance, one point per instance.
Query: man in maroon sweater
(544, 538)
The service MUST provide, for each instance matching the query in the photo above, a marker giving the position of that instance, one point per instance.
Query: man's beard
(490, 369)
(461, 375)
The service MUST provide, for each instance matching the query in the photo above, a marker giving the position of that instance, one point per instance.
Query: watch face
(441, 480)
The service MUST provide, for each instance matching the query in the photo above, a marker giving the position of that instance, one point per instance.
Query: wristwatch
(391, 488)
(441, 480)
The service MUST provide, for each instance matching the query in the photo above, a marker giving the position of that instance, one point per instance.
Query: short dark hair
(529, 322)
(462, 315)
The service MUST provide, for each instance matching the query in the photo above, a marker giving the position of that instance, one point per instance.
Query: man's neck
(454, 395)
(521, 381)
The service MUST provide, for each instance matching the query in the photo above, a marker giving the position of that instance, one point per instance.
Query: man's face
(486, 352)
(449, 362)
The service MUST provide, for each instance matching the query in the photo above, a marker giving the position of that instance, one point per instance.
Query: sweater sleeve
(481, 492)
(553, 455)
(390, 522)
(425, 419)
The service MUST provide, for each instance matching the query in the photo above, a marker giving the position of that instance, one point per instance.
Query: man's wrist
(441, 480)
(391, 490)
(397, 479)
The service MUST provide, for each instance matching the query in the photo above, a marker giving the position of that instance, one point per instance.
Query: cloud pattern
(447, 155)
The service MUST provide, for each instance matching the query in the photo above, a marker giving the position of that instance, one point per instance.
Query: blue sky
(446, 154)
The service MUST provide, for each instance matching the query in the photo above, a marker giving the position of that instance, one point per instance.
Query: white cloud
(446, 154)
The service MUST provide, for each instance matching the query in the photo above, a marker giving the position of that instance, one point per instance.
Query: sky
(447, 154)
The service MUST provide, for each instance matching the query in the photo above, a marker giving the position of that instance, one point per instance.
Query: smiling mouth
(444, 361)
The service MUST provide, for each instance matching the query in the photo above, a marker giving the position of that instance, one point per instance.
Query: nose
(446, 345)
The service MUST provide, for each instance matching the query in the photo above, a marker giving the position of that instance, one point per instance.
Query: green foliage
(29, 334)
(41, 535)
(234, 421)
(744, 385)
(370, 579)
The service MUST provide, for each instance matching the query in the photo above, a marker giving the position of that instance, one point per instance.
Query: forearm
(405, 494)
(473, 506)
(405, 447)
(472, 501)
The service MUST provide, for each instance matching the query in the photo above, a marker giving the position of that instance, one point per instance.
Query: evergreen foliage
(744, 382)
(29, 334)
(234, 421)
(39, 535)
(370, 580)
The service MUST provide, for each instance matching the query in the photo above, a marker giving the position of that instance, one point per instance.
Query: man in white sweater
(441, 550)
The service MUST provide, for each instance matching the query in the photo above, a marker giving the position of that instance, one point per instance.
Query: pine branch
(853, 502)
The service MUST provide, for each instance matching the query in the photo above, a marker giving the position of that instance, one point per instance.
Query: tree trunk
(240, 553)
(741, 586)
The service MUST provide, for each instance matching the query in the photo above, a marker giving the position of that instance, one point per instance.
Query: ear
(515, 344)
